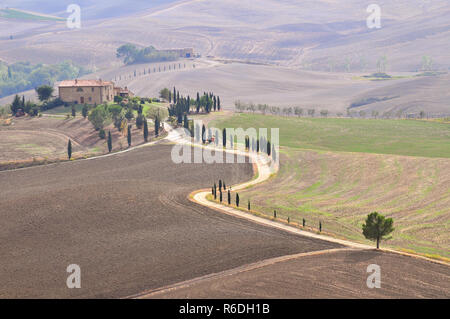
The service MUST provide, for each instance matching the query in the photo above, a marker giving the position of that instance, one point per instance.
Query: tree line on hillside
(22, 76)
(298, 111)
(121, 116)
(149, 70)
(132, 54)
(375, 228)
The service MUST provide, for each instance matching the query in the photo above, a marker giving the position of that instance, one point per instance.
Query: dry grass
(340, 189)
(28, 141)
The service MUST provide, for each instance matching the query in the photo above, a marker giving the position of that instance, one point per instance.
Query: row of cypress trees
(129, 136)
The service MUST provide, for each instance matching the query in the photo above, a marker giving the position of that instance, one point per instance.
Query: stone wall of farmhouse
(87, 94)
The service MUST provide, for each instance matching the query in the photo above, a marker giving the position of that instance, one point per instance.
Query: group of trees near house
(132, 54)
(46, 102)
(19, 106)
(182, 106)
(121, 115)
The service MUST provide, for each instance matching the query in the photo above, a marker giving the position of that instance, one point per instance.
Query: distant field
(400, 137)
(19, 14)
(319, 179)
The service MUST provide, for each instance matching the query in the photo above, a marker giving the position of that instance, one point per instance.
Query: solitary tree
(237, 199)
(44, 92)
(249, 204)
(377, 227)
(109, 142)
(69, 149)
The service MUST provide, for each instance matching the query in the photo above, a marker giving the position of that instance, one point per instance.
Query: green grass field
(339, 170)
(401, 137)
(18, 14)
(63, 110)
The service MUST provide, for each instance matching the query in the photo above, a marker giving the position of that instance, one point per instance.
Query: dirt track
(127, 222)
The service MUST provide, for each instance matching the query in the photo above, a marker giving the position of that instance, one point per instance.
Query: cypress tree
(218, 103)
(129, 135)
(185, 122)
(268, 148)
(237, 199)
(69, 149)
(203, 133)
(109, 142)
(229, 197)
(223, 185)
(220, 185)
(249, 204)
(84, 111)
(157, 126)
(174, 95)
(221, 196)
(145, 130)
(224, 137)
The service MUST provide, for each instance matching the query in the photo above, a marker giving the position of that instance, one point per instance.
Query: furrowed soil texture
(127, 222)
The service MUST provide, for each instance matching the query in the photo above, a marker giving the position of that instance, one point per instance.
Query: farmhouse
(86, 91)
(181, 53)
(123, 92)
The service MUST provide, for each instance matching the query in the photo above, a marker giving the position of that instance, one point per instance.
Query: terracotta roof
(76, 83)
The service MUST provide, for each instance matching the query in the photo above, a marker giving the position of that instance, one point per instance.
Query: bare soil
(340, 274)
(127, 222)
